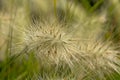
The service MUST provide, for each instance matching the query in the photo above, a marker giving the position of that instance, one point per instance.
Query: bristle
(52, 42)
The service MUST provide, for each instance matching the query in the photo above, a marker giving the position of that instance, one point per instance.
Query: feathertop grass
(51, 42)
(101, 59)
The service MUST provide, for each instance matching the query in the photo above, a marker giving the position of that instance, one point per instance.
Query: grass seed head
(100, 59)
(50, 42)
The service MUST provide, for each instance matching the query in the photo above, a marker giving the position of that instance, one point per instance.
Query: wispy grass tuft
(51, 43)
(69, 47)
(101, 60)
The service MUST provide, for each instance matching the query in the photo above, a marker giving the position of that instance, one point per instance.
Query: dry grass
(58, 42)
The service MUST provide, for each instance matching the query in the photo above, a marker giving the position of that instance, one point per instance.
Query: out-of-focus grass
(96, 59)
